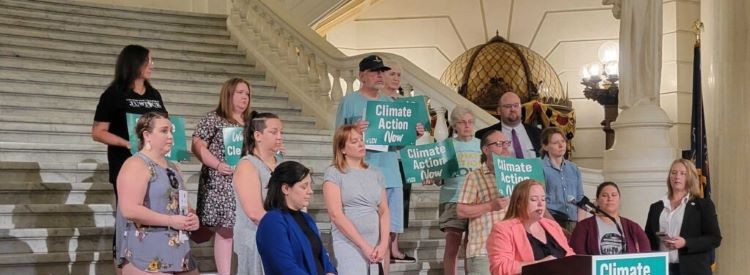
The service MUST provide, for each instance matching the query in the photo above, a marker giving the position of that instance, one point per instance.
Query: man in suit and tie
(525, 138)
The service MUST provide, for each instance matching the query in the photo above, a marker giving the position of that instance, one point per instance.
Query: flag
(698, 144)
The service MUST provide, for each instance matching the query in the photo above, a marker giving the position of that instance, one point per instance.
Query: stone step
(183, 106)
(103, 78)
(164, 62)
(51, 152)
(55, 215)
(30, 64)
(152, 16)
(292, 118)
(261, 93)
(113, 40)
(81, 134)
(47, 15)
(84, 48)
(8, 18)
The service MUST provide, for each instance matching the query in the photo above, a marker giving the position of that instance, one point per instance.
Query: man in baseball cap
(372, 63)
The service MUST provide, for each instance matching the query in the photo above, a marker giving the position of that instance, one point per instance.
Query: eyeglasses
(500, 143)
(511, 106)
(172, 179)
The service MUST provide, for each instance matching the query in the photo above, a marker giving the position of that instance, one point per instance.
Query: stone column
(640, 157)
(726, 80)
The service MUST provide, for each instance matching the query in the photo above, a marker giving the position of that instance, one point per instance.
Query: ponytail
(255, 123)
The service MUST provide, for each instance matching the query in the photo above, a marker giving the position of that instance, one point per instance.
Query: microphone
(582, 204)
(587, 206)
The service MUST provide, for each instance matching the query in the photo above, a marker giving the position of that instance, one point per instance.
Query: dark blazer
(585, 237)
(533, 132)
(700, 229)
(284, 248)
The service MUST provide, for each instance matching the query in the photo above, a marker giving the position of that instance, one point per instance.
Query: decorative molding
(340, 15)
(396, 48)
(450, 20)
(576, 40)
(544, 17)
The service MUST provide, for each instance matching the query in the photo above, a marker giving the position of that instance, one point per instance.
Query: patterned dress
(216, 204)
(155, 248)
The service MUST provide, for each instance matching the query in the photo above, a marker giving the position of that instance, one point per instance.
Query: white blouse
(670, 222)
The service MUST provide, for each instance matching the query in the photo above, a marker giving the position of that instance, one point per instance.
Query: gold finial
(697, 29)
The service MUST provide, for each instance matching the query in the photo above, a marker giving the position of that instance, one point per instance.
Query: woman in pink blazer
(525, 237)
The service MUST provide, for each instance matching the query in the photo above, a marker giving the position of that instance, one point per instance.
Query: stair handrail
(312, 71)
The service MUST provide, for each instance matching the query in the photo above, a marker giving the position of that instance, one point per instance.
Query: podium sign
(632, 264)
(654, 263)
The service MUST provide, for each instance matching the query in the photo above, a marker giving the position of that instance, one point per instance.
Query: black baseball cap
(372, 63)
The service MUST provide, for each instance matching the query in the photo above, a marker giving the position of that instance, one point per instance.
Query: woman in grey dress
(262, 140)
(355, 197)
(153, 214)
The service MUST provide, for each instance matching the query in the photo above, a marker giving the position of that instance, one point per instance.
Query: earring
(148, 146)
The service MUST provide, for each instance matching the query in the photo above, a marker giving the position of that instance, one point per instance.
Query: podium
(655, 263)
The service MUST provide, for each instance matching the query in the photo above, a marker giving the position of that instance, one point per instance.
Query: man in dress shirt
(524, 138)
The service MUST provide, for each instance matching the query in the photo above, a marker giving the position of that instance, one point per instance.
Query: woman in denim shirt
(562, 179)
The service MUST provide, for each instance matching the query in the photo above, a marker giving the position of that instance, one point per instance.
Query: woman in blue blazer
(288, 239)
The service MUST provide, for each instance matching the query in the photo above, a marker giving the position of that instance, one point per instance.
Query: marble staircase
(56, 57)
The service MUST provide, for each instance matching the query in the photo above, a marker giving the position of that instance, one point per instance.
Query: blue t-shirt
(351, 109)
(469, 157)
(562, 184)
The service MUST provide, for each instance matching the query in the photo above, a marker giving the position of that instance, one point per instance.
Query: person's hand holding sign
(362, 125)
(500, 203)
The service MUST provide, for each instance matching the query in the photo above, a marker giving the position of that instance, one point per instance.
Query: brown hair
(546, 136)
(692, 184)
(340, 137)
(224, 110)
(518, 206)
(483, 141)
(255, 123)
(146, 123)
(601, 186)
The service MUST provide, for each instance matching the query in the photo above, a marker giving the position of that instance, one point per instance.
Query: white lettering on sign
(385, 110)
(613, 269)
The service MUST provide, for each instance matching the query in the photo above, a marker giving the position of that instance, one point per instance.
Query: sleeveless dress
(248, 258)
(361, 193)
(155, 248)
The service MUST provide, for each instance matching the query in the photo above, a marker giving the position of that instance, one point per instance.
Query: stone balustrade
(315, 73)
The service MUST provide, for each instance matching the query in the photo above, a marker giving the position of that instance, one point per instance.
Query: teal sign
(233, 140)
(429, 161)
(631, 264)
(510, 171)
(179, 150)
(391, 123)
(421, 112)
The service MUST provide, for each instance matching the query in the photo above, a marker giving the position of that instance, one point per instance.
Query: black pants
(407, 194)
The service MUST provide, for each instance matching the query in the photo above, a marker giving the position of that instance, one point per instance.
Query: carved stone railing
(315, 73)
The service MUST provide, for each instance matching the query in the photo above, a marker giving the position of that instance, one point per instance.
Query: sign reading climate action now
(429, 161)
(631, 264)
(421, 111)
(391, 123)
(179, 150)
(510, 171)
(233, 140)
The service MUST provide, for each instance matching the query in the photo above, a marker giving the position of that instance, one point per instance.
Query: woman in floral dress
(153, 214)
(216, 203)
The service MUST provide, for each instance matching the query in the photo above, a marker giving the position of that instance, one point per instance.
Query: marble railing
(315, 73)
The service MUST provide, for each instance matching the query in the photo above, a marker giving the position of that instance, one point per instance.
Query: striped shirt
(480, 187)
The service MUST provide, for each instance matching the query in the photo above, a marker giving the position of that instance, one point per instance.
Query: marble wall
(568, 33)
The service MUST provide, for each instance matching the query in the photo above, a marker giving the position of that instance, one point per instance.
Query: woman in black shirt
(129, 92)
